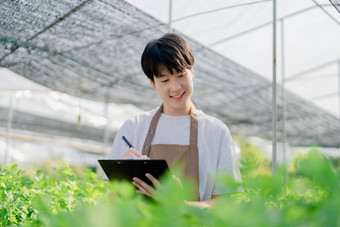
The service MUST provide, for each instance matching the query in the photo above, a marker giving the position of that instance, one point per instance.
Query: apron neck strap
(154, 122)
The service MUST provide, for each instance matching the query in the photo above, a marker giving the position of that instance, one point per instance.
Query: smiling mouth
(177, 96)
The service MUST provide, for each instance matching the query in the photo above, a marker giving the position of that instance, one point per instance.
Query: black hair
(170, 51)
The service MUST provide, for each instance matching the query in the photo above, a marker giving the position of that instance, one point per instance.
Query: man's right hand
(132, 153)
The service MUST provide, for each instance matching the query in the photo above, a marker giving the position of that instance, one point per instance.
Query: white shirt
(215, 145)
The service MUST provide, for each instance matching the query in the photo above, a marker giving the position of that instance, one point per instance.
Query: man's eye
(163, 81)
(181, 75)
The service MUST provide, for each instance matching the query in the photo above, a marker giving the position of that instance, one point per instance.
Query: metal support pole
(80, 108)
(339, 89)
(284, 105)
(170, 16)
(106, 136)
(8, 129)
(274, 142)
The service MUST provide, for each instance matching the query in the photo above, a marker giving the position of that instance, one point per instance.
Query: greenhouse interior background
(70, 73)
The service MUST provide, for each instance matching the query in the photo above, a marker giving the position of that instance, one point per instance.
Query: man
(176, 131)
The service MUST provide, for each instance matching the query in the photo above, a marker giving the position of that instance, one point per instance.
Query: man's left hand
(144, 188)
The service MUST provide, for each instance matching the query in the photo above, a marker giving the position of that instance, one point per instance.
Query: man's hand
(144, 188)
(133, 153)
(204, 204)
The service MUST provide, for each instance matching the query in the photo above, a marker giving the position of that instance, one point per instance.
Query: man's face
(175, 90)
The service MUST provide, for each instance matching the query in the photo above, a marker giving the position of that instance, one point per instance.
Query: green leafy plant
(61, 198)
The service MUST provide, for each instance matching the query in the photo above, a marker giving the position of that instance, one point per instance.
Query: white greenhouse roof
(91, 49)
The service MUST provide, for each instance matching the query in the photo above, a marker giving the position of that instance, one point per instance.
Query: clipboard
(126, 169)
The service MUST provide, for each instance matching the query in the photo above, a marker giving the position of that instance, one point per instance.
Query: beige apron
(186, 155)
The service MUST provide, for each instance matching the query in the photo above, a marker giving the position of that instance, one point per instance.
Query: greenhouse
(71, 76)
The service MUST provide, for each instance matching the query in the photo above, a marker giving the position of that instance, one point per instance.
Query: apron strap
(193, 157)
(193, 126)
(151, 132)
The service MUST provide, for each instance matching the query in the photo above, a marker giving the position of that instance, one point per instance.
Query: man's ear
(192, 71)
(152, 84)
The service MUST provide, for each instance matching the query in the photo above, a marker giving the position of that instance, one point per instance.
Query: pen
(127, 142)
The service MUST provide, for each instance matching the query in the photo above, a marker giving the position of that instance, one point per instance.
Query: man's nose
(175, 85)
